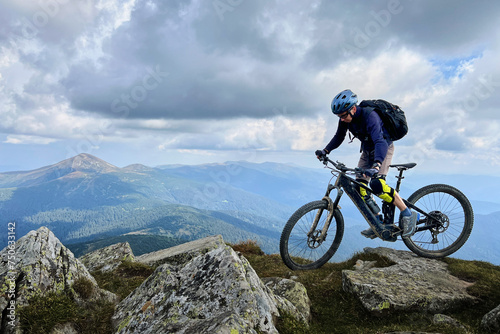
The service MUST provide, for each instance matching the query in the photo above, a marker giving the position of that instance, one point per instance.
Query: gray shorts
(366, 161)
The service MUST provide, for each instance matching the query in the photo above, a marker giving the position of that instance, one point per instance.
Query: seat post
(400, 178)
(401, 168)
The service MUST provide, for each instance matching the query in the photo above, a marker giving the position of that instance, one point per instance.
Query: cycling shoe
(409, 224)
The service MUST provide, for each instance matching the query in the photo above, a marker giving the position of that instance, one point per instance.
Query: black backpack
(392, 116)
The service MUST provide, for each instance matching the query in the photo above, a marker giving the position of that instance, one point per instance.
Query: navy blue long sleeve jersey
(367, 126)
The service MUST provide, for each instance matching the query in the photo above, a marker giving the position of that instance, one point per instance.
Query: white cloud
(260, 79)
(390, 75)
(22, 139)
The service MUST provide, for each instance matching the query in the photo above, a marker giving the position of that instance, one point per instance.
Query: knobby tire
(459, 216)
(294, 248)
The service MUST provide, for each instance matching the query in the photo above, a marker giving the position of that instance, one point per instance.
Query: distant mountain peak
(85, 162)
(75, 167)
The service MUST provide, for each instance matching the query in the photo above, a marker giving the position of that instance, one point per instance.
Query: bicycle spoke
(305, 248)
(449, 221)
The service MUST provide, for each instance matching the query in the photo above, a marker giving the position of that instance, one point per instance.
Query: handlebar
(340, 166)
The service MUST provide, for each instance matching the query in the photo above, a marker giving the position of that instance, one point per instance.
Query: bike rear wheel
(302, 252)
(455, 215)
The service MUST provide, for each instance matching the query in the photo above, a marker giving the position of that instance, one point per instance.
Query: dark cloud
(230, 62)
(447, 29)
(450, 27)
(194, 60)
(204, 67)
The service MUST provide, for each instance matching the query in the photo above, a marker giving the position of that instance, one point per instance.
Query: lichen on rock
(413, 283)
(42, 265)
(215, 291)
(491, 320)
(108, 258)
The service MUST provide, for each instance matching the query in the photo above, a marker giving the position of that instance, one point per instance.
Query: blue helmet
(344, 101)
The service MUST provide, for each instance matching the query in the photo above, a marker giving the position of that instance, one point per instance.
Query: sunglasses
(347, 113)
(344, 116)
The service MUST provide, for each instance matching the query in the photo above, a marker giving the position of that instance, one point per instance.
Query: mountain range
(85, 199)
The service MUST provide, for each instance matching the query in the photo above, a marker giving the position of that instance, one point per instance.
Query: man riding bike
(376, 156)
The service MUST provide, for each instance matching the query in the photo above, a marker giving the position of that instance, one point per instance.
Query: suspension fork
(332, 205)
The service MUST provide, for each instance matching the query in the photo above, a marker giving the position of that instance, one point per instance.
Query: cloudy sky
(161, 82)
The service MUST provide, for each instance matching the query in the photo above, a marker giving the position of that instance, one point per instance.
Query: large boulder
(413, 283)
(209, 289)
(108, 258)
(292, 297)
(181, 253)
(491, 321)
(39, 263)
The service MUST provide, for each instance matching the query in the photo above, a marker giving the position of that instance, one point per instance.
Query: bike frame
(346, 184)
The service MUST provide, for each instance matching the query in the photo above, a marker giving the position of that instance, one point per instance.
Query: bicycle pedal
(369, 234)
(397, 232)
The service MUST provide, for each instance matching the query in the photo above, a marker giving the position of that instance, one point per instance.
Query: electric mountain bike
(314, 232)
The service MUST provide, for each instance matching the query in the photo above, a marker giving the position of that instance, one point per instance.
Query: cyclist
(376, 156)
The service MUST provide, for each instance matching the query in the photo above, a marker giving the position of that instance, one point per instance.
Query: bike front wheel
(302, 248)
(453, 212)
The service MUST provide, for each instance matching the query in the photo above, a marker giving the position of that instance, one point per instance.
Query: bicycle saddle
(404, 166)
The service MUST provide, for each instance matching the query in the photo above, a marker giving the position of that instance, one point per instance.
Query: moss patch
(45, 312)
(83, 287)
(124, 279)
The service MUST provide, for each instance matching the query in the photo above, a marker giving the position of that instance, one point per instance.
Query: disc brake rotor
(442, 226)
(444, 222)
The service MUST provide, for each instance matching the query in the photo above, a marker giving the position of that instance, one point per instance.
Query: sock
(406, 212)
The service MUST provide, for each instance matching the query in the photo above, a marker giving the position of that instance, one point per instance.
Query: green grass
(45, 312)
(486, 288)
(335, 311)
(124, 279)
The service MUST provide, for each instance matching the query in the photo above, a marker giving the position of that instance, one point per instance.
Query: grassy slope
(333, 310)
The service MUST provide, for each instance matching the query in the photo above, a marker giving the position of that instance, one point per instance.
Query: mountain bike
(314, 232)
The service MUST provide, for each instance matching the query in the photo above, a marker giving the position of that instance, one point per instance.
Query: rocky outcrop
(292, 297)
(39, 264)
(108, 258)
(413, 283)
(491, 321)
(182, 253)
(205, 288)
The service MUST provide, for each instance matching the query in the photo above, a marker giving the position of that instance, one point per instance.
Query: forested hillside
(85, 198)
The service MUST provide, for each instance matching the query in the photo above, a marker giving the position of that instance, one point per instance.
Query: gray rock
(40, 264)
(447, 320)
(182, 253)
(108, 258)
(67, 328)
(413, 283)
(289, 291)
(491, 321)
(215, 291)
(363, 265)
